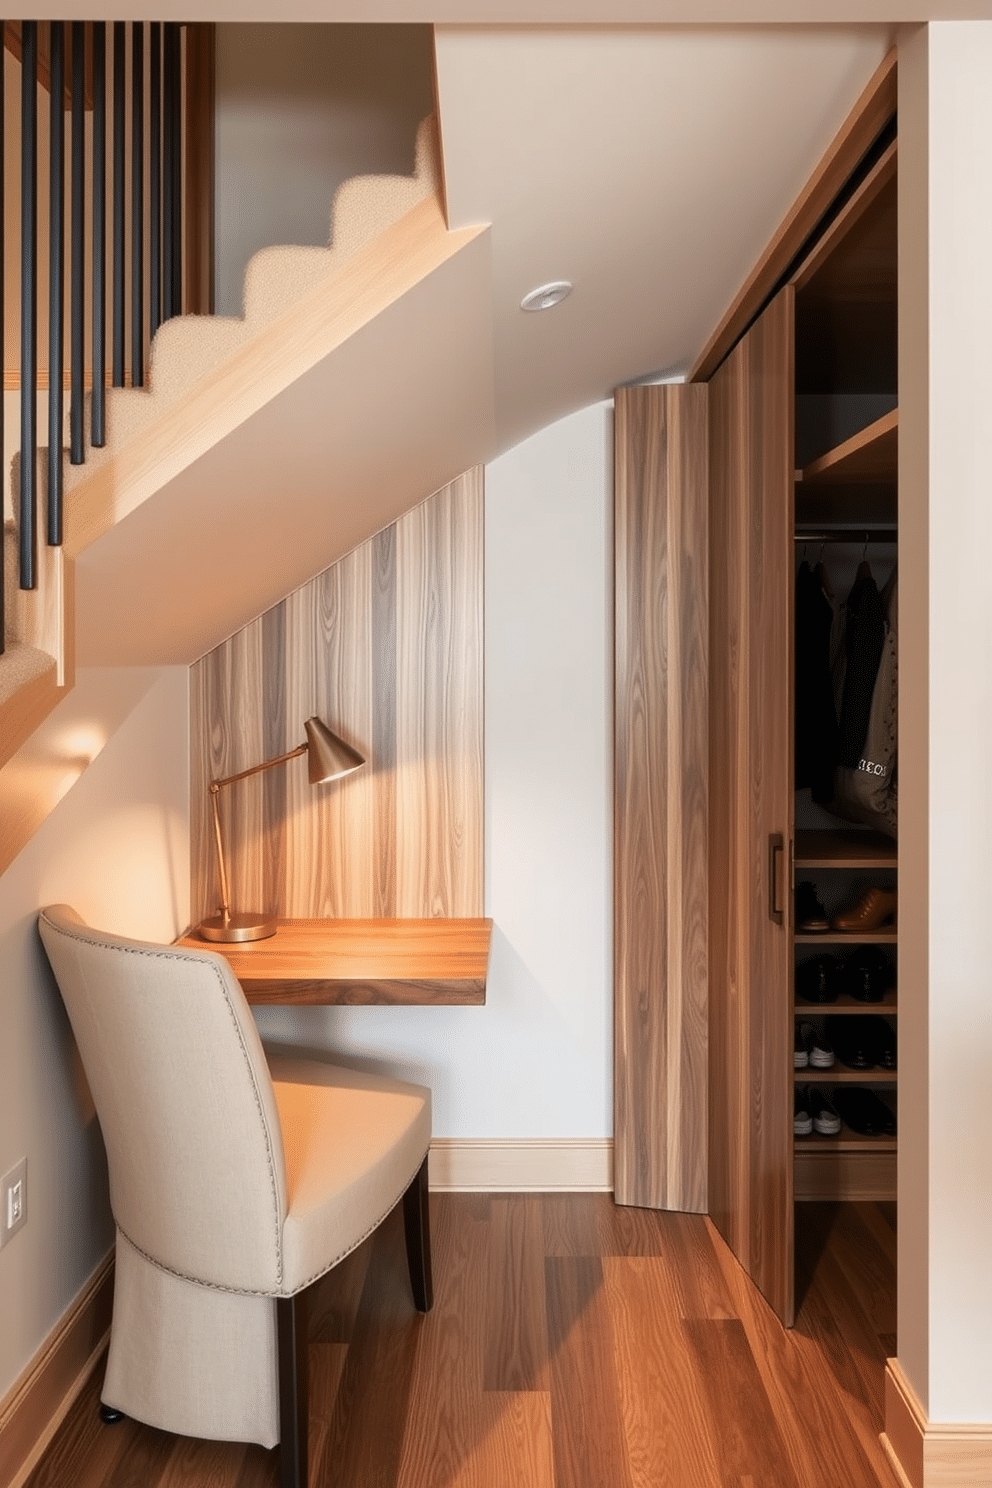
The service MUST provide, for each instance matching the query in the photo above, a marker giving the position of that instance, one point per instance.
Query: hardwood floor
(572, 1345)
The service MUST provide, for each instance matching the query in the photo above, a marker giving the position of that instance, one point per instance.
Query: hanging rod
(869, 535)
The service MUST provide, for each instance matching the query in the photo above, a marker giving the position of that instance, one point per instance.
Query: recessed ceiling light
(546, 296)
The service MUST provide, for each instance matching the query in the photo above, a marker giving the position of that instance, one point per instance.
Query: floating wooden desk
(362, 961)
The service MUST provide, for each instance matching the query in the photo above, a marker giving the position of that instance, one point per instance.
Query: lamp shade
(328, 757)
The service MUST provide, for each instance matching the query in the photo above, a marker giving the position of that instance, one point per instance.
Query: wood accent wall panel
(661, 843)
(439, 633)
(750, 1079)
(386, 647)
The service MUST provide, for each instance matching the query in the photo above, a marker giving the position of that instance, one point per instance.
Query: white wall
(117, 848)
(945, 791)
(536, 1061)
(299, 110)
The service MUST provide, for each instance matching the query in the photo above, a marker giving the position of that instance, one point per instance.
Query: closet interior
(845, 995)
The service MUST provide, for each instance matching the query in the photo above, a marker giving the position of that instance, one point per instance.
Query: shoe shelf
(845, 1141)
(844, 1003)
(847, 1166)
(850, 1167)
(844, 849)
(834, 1076)
(885, 936)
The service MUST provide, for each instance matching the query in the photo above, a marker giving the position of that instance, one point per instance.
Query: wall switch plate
(13, 1201)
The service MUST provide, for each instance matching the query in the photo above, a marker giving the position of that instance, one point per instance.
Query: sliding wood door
(750, 1101)
(661, 797)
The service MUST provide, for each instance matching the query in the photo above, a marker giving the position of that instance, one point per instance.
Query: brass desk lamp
(328, 759)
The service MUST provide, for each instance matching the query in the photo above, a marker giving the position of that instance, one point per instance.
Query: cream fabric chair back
(185, 1102)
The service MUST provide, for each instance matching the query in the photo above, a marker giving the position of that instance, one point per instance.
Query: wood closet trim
(750, 798)
(864, 123)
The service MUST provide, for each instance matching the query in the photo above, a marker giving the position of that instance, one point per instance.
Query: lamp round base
(237, 927)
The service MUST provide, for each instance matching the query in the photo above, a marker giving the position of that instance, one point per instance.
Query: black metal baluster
(118, 264)
(29, 302)
(155, 178)
(98, 401)
(167, 151)
(3, 306)
(56, 274)
(172, 225)
(77, 404)
(137, 203)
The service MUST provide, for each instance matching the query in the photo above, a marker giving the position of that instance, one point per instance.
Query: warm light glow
(79, 742)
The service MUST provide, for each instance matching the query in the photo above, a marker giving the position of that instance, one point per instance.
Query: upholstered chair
(235, 1182)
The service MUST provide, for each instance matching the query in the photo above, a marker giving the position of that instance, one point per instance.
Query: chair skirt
(191, 1359)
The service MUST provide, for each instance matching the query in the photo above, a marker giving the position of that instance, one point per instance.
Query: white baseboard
(521, 1165)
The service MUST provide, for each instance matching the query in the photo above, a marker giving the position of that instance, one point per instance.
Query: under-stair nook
(215, 427)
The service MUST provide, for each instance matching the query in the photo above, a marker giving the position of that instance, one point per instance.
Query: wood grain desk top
(362, 961)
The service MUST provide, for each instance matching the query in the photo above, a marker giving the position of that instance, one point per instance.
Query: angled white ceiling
(649, 166)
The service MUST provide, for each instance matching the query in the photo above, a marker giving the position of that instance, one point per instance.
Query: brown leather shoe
(873, 909)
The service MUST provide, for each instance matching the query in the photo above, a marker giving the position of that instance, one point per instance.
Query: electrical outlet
(13, 1200)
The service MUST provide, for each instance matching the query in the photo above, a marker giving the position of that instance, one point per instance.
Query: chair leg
(417, 1224)
(291, 1327)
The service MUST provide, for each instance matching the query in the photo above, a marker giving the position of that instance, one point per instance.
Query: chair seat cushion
(353, 1143)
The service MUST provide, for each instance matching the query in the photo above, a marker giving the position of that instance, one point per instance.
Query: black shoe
(883, 1041)
(825, 1118)
(864, 1112)
(802, 1045)
(802, 1121)
(866, 974)
(818, 980)
(854, 1042)
(810, 914)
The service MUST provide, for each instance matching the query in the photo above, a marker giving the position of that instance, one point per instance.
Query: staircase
(357, 382)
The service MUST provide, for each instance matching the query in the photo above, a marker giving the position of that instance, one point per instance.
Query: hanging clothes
(816, 719)
(868, 791)
(864, 638)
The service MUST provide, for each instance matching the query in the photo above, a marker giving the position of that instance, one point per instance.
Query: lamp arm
(224, 908)
(215, 787)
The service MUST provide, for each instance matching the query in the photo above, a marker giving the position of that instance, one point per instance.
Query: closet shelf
(848, 937)
(867, 457)
(845, 1077)
(844, 849)
(848, 1141)
(847, 1004)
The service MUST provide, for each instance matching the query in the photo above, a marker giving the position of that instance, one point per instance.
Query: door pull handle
(776, 847)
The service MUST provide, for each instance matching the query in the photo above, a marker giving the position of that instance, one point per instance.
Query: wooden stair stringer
(188, 348)
(215, 406)
(389, 400)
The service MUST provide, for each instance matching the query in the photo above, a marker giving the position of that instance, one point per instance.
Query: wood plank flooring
(572, 1344)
